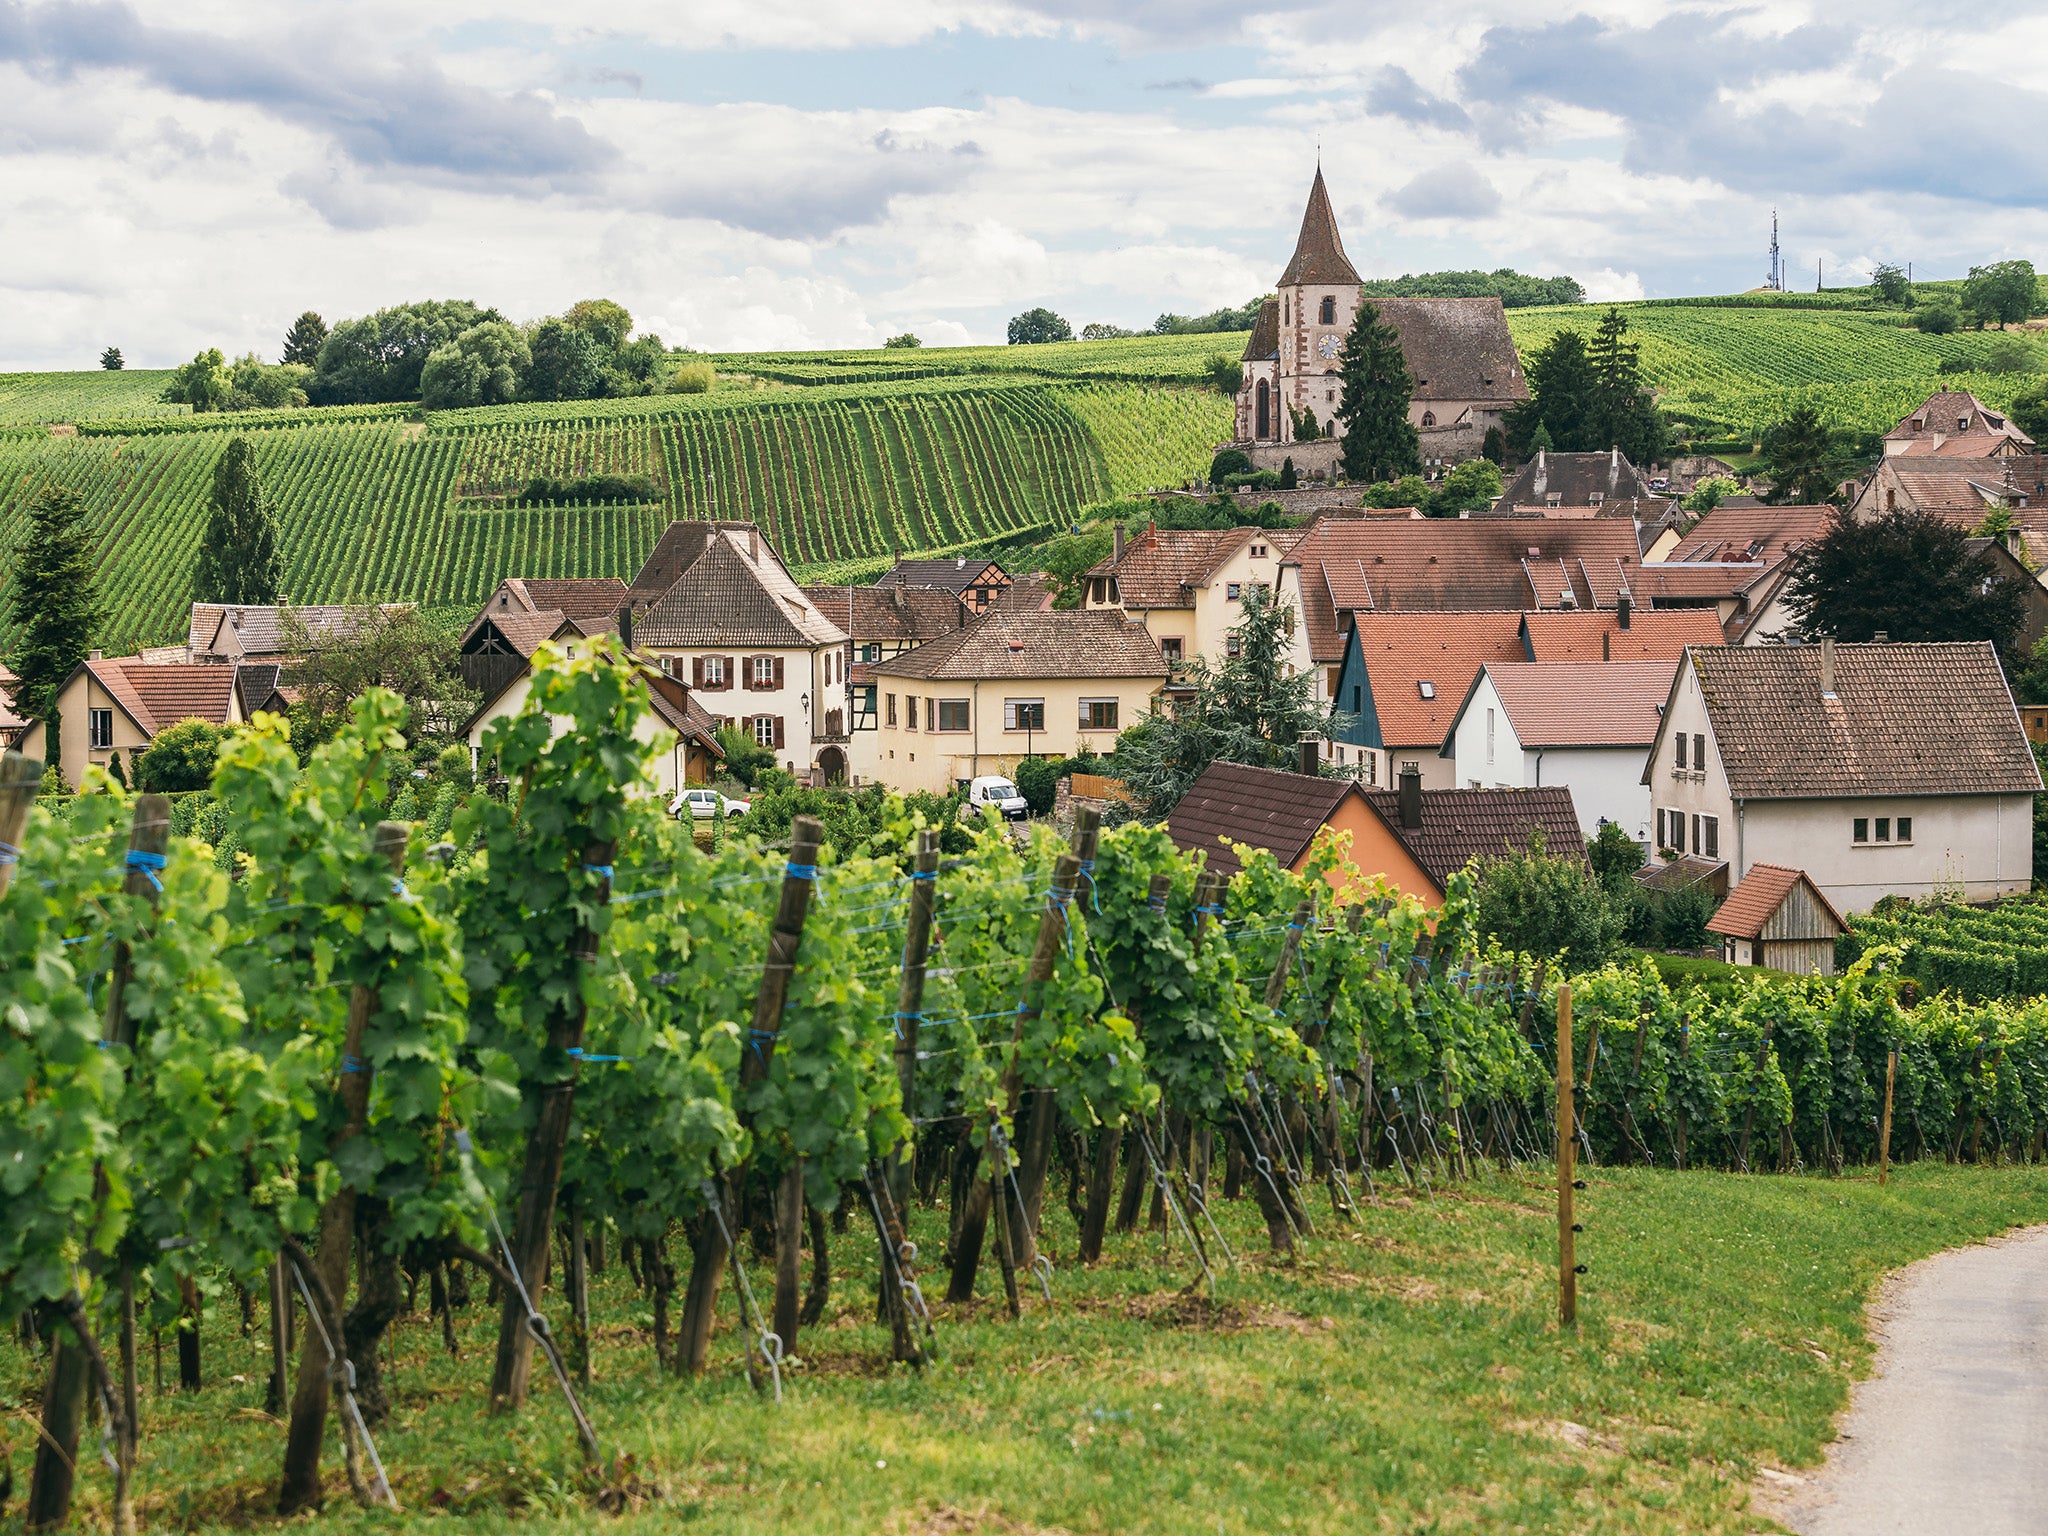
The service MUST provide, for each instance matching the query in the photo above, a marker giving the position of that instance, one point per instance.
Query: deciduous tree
(1038, 325)
(111, 360)
(2003, 293)
(482, 366)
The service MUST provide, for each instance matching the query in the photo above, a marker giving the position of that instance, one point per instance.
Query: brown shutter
(747, 672)
(778, 671)
(778, 718)
(730, 663)
(697, 671)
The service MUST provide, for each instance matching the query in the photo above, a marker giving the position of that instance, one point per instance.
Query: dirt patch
(63, 429)
(1182, 1310)
(950, 1520)
(1577, 1436)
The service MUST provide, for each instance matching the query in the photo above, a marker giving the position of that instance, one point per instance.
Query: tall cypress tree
(1622, 414)
(53, 602)
(1380, 442)
(238, 555)
(1561, 399)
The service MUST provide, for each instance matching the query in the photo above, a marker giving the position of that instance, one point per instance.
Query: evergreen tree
(112, 361)
(1561, 399)
(238, 560)
(1622, 413)
(302, 341)
(1804, 459)
(1289, 477)
(52, 604)
(1380, 442)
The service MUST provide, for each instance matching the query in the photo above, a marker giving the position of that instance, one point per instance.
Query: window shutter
(725, 679)
(778, 718)
(1696, 848)
(746, 665)
(1699, 752)
(697, 671)
(778, 674)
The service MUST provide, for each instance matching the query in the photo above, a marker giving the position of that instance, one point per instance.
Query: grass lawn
(1407, 1377)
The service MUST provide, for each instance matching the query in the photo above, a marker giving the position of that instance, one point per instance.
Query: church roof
(1319, 252)
(1265, 337)
(1457, 349)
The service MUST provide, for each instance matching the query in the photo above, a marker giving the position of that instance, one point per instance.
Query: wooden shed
(1777, 918)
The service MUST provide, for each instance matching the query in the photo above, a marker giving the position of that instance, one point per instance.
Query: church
(1459, 353)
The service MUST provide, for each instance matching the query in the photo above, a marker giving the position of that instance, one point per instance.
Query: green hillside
(416, 509)
(85, 396)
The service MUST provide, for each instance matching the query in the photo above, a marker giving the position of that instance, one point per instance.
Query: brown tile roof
(1457, 349)
(1033, 643)
(1963, 490)
(1402, 651)
(1654, 635)
(1905, 719)
(727, 597)
(955, 575)
(1760, 532)
(1461, 564)
(681, 545)
(1575, 479)
(1460, 825)
(1162, 566)
(1694, 581)
(1264, 807)
(1318, 250)
(1762, 891)
(157, 696)
(1968, 445)
(522, 628)
(251, 629)
(1953, 411)
(1583, 704)
(1265, 337)
(575, 597)
(900, 614)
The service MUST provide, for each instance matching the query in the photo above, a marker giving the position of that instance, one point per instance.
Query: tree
(1561, 403)
(1289, 477)
(1038, 325)
(238, 560)
(1908, 574)
(1710, 493)
(1889, 284)
(1380, 441)
(302, 341)
(1229, 461)
(1804, 458)
(52, 605)
(1408, 491)
(1098, 330)
(204, 383)
(1542, 903)
(379, 357)
(2030, 410)
(1939, 316)
(1248, 710)
(1623, 415)
(1226, 374)
(693, 376)
(256, 385)
(482, 366)
(605, 321)
(567, 364)
(367, 648)
(2003, 293)
(1493, 446)
(111, 360)
(179, 759)
(745, 758)
(902, 343)
(1471, 486)
(1306, 428)
(2008, 354)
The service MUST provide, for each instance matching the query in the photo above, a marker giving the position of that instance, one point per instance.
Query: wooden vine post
(1109, 1141)
(20, 778)
(1567, 1136)
(314, 1390)
(917, 949)
(710, 1254)
(1884, 1131)
(1045, 952)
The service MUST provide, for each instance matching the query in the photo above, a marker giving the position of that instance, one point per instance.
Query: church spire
(1319, 252)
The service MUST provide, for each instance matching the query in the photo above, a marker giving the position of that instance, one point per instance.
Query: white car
(704, 803)
(994, 790)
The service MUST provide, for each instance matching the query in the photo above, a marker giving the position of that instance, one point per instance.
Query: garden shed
(1777, 918)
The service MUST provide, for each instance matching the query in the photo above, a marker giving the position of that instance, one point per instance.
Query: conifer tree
(1380, 442)
(238, 560)
(1622, 414)
(53, 605)
(302, 341)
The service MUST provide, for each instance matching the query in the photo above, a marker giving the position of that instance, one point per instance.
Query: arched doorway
(832, 765)
(1265, 413)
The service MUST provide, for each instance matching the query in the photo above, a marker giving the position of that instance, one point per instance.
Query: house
(252, 632)
(1460, 356)
(884, 621)
(521, 613)
(116, 705)
(1587, 482)
(1399, 685)
(1011, 685)
(2034, 721)
(1779, 919)
(1186, 586)
(1584, 724)
(976, 584)
(1749, 531)
(1954, 423)
(691, 758)
(1737, 560)
(1962, 491)
(1414, 838)
(1878, 769)
(2002, 562)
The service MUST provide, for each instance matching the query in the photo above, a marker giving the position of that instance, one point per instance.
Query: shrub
(1940, 317)
(1038, 781)
(1543, 903)
(696, 377)
(1682, 916)
(179, 759)
(603, 489)
(746, 761)
(1231, 461)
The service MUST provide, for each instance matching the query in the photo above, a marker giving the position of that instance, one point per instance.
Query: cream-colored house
(1187, 586)
(115, 706)
(1037, 683)
(1879, 770)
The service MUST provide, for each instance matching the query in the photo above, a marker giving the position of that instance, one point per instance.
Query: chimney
(1624, 609)
(753, 544)
(1607, 645)
(1614, 461)
(1411, 797)
(96, 654)
(1311, 759)
(626, 626)
(1116, 543)
(1827, 669)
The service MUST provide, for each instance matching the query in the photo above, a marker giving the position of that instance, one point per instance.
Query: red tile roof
(1583, 704)
(1598, 636)
(1744, 533)
(158, 696)
(1264, 807)
(1952, 412)
(1035, 643)
(1763, 890)
(1402, 651)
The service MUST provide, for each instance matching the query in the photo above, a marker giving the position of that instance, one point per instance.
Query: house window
(1489, 738)
(1427, 690)
(764, 730)
(1711, 846)
(910, 703)
(1372, 766)
(871, 653)
(953, 714)
(1884, 829)
(1258, 551)
(1698, 844)
(764, 671)
(1860, 829)
(1328, 315)
(1681, 749)
(1098, 714)
(889, 708)
(1170, 648)
(99, 728)
(1905, 830)
(1023, 714)
(1232, 646)
(714, 671)
(1230, 591)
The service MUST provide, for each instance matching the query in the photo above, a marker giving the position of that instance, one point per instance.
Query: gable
(1354, 697)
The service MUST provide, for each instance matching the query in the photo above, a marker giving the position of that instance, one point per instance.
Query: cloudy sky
(799, 173)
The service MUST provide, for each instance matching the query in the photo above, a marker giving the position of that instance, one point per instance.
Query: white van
(992, 789)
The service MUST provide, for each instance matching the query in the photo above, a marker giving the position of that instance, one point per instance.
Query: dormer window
(1427, 690)
(1962, 423)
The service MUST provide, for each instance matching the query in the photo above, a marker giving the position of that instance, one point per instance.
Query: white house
(1187, 586)
(1877, 769)
(1586, 725)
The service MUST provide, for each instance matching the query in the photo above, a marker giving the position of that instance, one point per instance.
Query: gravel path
(1950, 1433)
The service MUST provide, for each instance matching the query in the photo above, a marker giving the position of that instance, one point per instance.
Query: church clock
(1327, 348)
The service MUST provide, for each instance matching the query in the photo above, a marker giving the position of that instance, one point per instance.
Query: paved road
(1950, 1435)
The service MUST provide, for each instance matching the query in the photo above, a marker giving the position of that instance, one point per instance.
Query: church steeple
(1319, 252)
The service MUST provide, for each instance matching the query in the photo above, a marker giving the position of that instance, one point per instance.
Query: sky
(827, 173)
